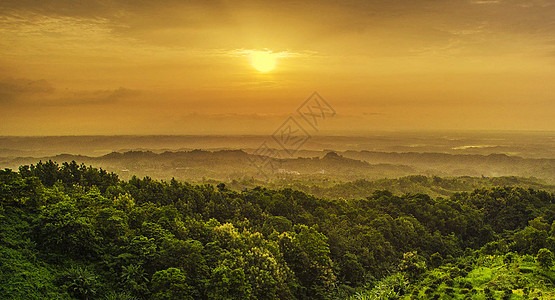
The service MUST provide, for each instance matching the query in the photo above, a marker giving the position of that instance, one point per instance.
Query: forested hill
(72, 231)
(221, 165)
(433, 186)
(227, 165)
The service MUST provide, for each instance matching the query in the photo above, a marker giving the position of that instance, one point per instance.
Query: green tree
(545, 258)
(413, 264)
(81, 283)
(351, 270)
(226, 283)
(307, 253)
(171, 284)
(64, 229)
(134, 279)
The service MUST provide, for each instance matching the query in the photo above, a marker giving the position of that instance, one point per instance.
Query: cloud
(486, 1)
(373, 114)
(383, 28)
(97, 97)
(12, 89)
(242, 116)
(41, 92)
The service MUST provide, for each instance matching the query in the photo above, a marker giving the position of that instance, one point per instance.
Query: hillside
(73, 231)
(223, 165)
(319, 168)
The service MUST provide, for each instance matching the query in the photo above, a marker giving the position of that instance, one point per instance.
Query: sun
(263, 61)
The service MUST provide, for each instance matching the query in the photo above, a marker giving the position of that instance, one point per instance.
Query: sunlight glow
(263, 61)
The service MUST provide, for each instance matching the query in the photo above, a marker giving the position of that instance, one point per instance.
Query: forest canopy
(71, 231)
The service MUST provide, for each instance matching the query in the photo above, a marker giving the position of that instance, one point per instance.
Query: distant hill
(442, 164)
(323, 167)
(414, 184)
(224, 165)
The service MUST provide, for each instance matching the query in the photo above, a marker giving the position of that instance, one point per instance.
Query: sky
(112, 67)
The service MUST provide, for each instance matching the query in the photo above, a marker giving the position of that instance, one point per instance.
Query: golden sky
(184, 67)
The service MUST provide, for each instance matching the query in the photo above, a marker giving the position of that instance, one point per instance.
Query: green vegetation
(479, 276)
(72, 231)
(432, 186)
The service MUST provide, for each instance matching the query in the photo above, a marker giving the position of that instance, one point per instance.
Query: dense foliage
(72, 231)
(414, 184)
